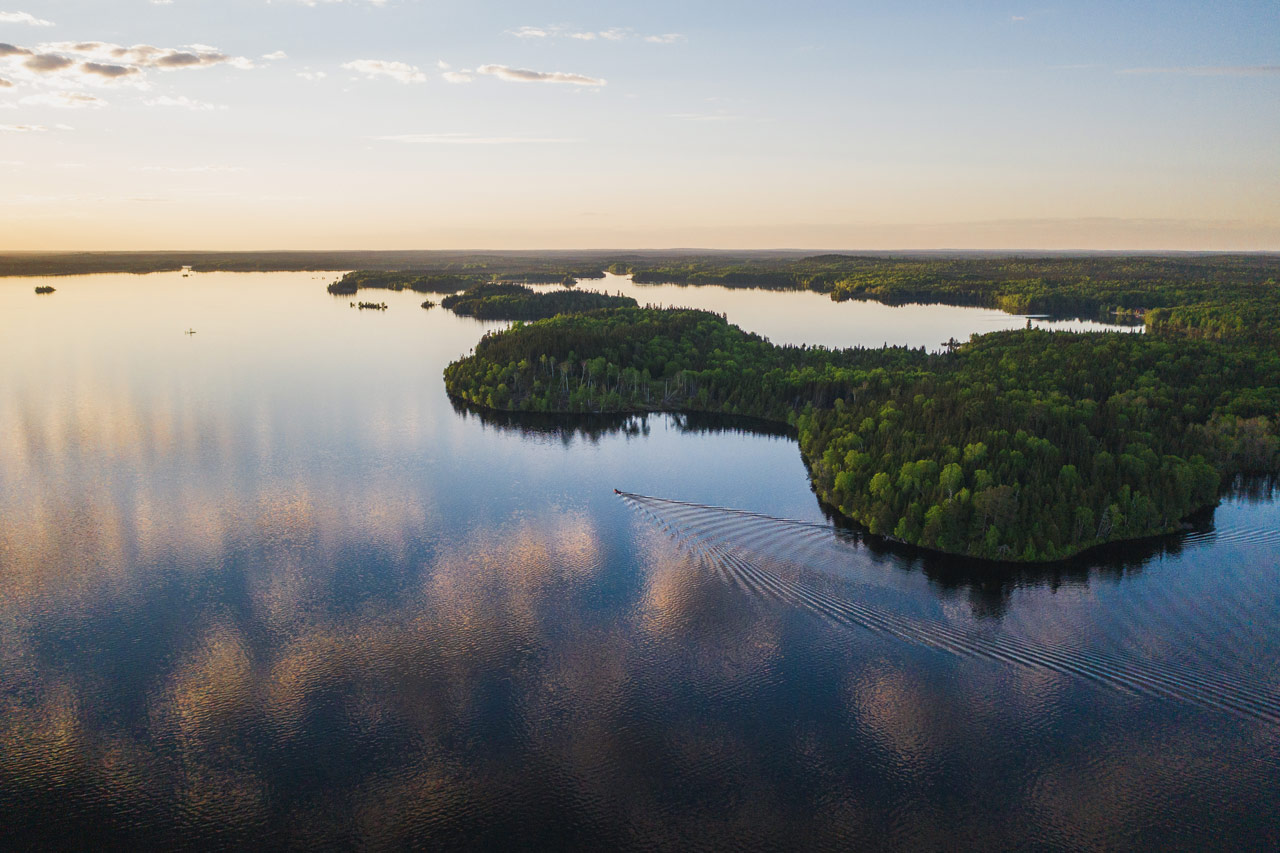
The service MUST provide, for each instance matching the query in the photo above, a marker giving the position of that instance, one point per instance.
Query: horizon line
(685, 249)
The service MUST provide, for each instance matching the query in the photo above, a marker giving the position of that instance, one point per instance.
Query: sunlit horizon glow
(399, 124)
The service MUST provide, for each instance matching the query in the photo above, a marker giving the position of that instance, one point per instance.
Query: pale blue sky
(808, 124)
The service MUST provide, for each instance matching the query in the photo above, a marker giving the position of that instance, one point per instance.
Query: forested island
(499, 301)
(1021, 446)
(353, 282)
(484, 300)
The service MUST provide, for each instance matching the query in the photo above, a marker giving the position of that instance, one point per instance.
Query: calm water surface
(264, 584)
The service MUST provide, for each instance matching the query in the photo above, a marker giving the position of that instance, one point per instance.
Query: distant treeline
(1201, 295)
(547, 267)
(1026, 445)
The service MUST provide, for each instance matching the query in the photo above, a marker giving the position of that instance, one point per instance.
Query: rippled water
(264, 585)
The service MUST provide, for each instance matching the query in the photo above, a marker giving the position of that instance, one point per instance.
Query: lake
(265, 585)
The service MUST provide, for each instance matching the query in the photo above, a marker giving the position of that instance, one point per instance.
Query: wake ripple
(722, 538)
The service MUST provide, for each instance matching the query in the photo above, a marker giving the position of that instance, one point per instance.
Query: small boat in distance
(44, 288)
(189, 332)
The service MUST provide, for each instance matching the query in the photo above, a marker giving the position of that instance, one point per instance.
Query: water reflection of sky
(265, 582)
(804, 317)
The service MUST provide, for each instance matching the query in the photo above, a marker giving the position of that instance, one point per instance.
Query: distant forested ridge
(1027, 445)
(501, 301)
(549, 267)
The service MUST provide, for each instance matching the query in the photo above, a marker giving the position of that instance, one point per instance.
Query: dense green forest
(501, 301)
(1027, 445)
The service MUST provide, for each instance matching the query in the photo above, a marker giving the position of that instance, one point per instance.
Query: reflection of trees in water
(989, 585)
(1258, 488)
(591, 428)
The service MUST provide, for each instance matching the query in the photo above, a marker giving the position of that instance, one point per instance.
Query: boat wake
(769, 557)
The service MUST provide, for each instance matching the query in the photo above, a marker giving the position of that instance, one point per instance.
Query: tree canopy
(1027, 445)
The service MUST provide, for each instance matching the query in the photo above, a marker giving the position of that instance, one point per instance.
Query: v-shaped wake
(754, 552)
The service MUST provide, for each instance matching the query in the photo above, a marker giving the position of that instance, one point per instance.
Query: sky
(421, 124)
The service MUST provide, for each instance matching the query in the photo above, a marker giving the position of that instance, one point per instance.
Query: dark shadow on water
(990, 584)
(593, 427)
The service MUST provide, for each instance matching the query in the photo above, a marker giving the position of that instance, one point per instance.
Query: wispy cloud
(524, 75)
(400, 71)
(466, 75)
(64, 100)
(1210, 70)
(22, 128)
(532, 32)
(183, 102)
(108, 70)
(275, 55)
(23, 18)
(65, 73)
(6, 84)
(327, 2)
(706, 116)
(43, 63)
(189, 170)
(610, 34)
(65, 65)
(469, 139)
(148, 56)
(308, 74)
